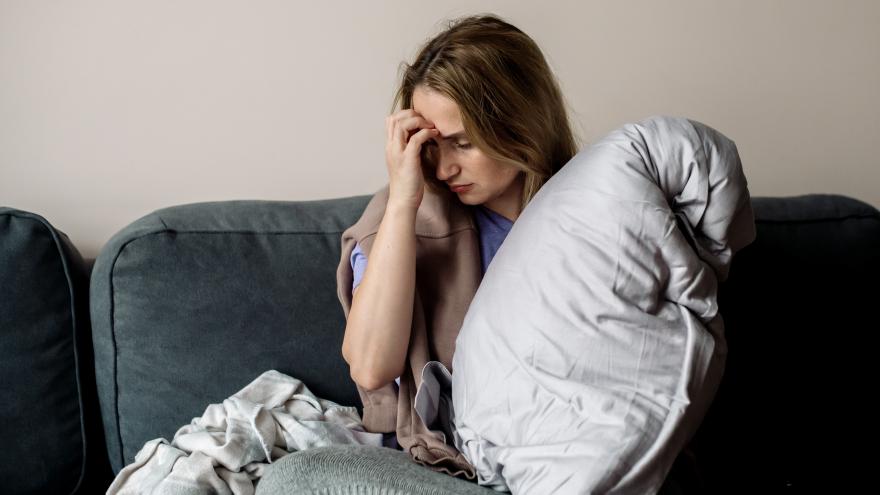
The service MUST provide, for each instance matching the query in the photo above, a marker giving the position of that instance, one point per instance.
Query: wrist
(401, 207)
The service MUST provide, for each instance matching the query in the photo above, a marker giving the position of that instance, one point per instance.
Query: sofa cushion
(799, 313)
(192, 302)
(47, 397)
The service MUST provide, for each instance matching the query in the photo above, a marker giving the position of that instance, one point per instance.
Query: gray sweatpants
(369, 470)
(359, 469)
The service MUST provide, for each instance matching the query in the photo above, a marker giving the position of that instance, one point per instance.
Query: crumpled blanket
(226, 450)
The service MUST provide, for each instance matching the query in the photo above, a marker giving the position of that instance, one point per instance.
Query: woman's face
(493, 184)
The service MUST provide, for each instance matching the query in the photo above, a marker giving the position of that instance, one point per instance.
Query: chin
(468, 199)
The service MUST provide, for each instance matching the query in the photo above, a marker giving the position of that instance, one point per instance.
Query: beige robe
(448, 272)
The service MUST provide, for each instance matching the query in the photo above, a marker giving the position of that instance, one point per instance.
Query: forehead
(438, 109)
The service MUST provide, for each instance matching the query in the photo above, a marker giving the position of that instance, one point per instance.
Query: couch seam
(857, 216)
(76, 357)
(115, 349)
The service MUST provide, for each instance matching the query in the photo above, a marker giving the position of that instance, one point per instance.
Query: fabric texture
(492, 228)
(47, 397)
(447, 275)
(594, 344)
(359, 470)
(368, 470)
(191, 302)
(226, 449)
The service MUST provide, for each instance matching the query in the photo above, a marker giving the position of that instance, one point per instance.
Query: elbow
(366, 381)
(371, 378)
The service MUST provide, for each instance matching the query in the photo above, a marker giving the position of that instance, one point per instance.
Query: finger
(413, 124)
(406, 112)
(417, 139)
(416, 121)
(396, 117)
(400, 136)
(391, 130)
(392, 119)
(403, 125)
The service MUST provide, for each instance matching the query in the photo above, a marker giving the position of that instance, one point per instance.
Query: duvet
(594, 344)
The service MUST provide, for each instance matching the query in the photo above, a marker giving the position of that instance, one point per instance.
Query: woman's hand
(407, 131)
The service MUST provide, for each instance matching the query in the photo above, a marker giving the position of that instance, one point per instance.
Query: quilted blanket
(594, 344)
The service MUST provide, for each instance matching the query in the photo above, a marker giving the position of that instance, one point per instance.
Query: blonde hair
(510, 103)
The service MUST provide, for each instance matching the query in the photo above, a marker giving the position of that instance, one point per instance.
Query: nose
(446, 167)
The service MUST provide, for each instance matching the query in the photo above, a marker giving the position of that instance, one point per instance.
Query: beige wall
(112, 109)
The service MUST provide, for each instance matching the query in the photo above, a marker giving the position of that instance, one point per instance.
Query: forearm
(378, 328)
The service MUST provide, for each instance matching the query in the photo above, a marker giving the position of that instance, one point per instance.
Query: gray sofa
(186, 305)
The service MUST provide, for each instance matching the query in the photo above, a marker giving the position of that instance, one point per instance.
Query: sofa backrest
(191, 303)
(49, 424)
(798, 309)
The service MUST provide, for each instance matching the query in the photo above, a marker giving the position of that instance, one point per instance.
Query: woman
(482, 125)
(482, 115)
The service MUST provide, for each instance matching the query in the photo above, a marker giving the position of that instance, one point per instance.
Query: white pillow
(594, 345)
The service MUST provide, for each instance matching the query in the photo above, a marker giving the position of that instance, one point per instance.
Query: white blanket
(594, 344)
(226, 449)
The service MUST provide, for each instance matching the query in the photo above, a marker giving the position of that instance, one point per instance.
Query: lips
(460, 188)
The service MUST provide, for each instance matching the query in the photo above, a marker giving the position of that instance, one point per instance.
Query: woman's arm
(380, 318)
(378, 328)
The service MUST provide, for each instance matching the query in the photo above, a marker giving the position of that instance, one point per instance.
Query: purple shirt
(492, 228)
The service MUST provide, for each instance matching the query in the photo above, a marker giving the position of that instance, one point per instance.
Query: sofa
(186, 305)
